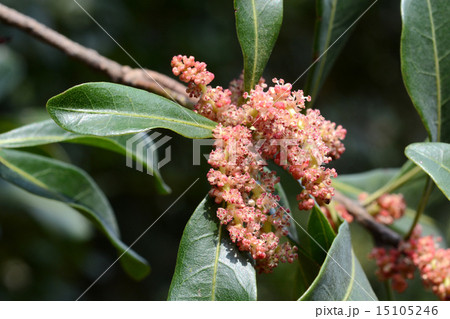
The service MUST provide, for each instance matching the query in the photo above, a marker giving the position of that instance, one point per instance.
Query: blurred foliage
(44, 257)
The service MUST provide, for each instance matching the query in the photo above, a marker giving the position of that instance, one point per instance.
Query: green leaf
(209, 266)
(425, 60)
(341, 276)
(320, 229)
(46, 132)
(434, 159)
(106, 109)
(284, 202)
(66, 183)
(334, 17)
(258, 23)
(55, 217)
(306, 272)
(354, 184)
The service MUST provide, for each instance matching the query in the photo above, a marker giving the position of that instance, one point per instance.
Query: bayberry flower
(265, 123)
(387, 208)
(418, 252)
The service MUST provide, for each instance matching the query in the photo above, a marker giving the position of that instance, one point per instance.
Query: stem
(139, 77)
(381, 234)
(388, 188)
(422, 204)
(389, 292)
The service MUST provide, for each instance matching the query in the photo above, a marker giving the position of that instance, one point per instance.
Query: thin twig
(390, 187)
(422, 204)
(382, 235)
(139, 78)
(389, 293)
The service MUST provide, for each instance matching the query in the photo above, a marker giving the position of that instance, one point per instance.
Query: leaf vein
(438, 79)
(136, 116)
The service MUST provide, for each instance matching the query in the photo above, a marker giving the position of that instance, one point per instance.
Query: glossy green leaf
(334, 17)
(306, 273)
(107, 109)
(284, 202)
(341, 276)
(46, 132)
(354, 184)
(306, 267)
(258, 23)
(320, 229)
(434, 159)
(209, 266)
(55, 217)
(68, 184)
(425, 59)
(310, 257)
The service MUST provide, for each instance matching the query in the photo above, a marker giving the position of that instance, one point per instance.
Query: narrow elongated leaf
(354, 184)
(334, 17)
(258, 23)
(284, 202)
(306, 273)
(320, 229)
(434, 159)
(47, 132)
(209, 266)
(107, 109)
(341, 276)
(56, 180)
(306, 267)
(425, 59)
(55, 217)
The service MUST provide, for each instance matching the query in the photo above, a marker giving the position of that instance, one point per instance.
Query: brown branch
(382, 235)
(143, 79)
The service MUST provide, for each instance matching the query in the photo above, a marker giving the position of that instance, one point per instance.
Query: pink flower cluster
(254, 219)
(418, 252)
(387, 208)
(434, 266)
(393, 264)
(192, 72)
(265, 123)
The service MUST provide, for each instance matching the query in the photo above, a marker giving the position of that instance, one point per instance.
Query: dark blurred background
(48, 252)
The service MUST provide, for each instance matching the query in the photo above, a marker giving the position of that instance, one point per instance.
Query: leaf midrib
(438, 76)
(256, 46)
(425, 155)
(21, 172)
(327, 42)
(324, 232)
(53, 138)
(136, 115)
(352, 276)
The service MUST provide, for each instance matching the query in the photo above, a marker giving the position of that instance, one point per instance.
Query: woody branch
(136, 77)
